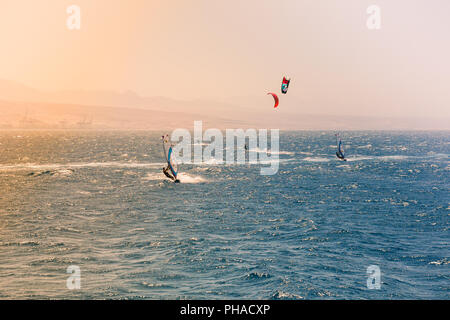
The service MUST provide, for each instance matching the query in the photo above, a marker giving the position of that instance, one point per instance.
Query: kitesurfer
(285, 85)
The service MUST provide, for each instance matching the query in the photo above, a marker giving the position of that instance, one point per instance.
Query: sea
(90, 215)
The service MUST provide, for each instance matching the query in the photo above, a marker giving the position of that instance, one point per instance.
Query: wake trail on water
(183, 177)
(362, 158)
(187, 178)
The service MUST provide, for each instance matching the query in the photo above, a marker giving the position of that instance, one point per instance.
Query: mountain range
(23, 107)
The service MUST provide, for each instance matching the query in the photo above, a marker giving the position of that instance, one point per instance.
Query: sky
(234, 49)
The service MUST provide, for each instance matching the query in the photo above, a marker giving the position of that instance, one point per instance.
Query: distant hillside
(24, 107)
(17, 115)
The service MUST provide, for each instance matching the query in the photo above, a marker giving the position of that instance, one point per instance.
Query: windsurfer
(340, 156)
(168, 175)
(340, 152)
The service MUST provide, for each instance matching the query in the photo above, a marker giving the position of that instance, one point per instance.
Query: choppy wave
(258, 150)
(317, 159)
(281, 295)
(367, 146)
(80, 165)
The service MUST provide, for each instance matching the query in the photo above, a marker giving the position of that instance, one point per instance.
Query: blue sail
(169, 155)
(340, 152)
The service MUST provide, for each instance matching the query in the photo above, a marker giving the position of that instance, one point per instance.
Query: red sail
(275, 97)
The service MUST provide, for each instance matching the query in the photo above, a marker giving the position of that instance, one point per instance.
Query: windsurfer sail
(340, 149)
(171, 170)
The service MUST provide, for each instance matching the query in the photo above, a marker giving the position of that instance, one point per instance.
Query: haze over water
(99, 200)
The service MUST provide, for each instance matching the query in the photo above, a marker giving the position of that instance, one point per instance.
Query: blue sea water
(98, 200)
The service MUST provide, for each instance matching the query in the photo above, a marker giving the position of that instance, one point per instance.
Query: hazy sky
(216, 49)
